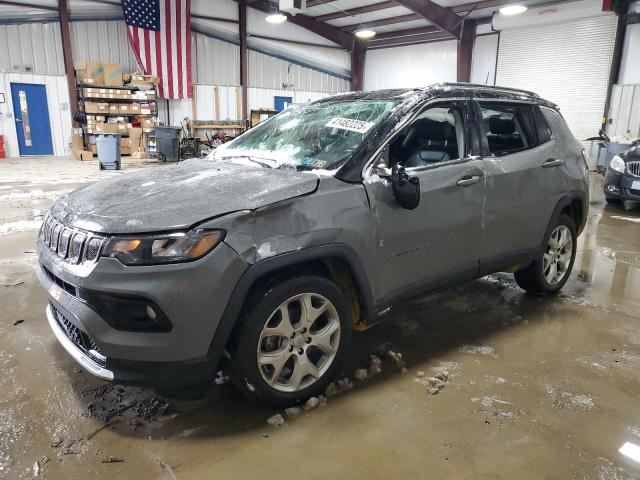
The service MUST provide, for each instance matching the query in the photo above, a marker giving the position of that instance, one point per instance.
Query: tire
(301, 361)
(538, 278)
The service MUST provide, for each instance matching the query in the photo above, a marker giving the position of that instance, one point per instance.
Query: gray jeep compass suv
(308, 226)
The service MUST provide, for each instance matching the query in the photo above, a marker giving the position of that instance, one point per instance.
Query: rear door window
(508, 128)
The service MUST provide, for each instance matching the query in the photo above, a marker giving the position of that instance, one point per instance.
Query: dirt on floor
(481, 381)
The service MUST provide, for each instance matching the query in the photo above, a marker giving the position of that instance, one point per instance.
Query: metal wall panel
(214, 62)
(102, 41)
(58, 107)
(266, 71)
(567, 63)
(31, 48)
(624, 111)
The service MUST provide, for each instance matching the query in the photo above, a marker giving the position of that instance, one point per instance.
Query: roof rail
(488, 87)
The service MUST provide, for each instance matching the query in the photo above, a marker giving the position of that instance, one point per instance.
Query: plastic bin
(109, 151)
(168, 143)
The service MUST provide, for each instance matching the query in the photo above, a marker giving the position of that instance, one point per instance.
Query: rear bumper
(620, 186)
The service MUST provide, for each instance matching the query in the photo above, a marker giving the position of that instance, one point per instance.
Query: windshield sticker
(350, 124)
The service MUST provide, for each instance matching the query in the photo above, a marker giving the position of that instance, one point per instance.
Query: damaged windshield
(313, 136)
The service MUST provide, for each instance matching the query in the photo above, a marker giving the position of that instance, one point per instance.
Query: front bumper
(192, 295)
(621, 186)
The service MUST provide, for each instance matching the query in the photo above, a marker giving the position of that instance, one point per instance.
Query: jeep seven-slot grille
(634, 168)
(71, 244)
(80, 339)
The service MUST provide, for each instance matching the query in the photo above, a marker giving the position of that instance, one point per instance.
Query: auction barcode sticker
(349, 124)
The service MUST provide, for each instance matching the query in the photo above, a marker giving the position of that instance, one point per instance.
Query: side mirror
(406, 189)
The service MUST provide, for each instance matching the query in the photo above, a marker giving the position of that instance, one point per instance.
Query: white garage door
(567, 63)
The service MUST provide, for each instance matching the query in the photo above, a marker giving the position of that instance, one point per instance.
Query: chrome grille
(80, 339)
(71, 244)
(634, 168)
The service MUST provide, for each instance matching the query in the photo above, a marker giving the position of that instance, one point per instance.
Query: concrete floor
(538, 387)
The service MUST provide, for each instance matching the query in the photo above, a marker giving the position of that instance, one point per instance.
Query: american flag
(159, 33)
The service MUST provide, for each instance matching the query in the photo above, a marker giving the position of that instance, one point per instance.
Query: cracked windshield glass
(308, 137)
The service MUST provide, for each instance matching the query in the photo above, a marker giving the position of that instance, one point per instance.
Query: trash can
(168, 143)
(109, 151)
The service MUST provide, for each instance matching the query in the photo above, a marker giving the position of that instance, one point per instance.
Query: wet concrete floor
(537, 388)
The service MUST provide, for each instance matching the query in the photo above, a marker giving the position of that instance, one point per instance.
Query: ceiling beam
(385, 21)
(410, 40)
(434, 13)
(28, 5)
(407, 32)
(325, 30)
(357, 11)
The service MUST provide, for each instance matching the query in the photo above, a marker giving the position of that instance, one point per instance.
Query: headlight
(617, 164)
(163, 248)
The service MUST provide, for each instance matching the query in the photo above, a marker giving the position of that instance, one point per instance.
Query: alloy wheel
(298, 342)
(557, 256)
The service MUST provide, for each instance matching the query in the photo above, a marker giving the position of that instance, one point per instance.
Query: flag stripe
(159, 33)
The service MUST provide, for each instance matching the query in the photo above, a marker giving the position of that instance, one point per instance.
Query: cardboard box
(135, 139)
(77, 140)
(93, 148)
(112, 74)
(83, 155)
(107, 128)
(96, 107)
(139, 155)
(144, 82)
(89, 72)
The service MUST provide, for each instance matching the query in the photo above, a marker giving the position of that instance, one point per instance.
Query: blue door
(280, 103)
(32, 118)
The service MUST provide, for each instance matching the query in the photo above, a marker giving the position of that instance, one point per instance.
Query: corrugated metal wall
(104, 41)
(214, 62)
(31, 48)
(266, 71)
(624, 111)
(58, 106)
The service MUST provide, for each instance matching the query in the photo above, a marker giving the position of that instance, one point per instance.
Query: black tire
(614, 201)
(532, 278)
(263, 302)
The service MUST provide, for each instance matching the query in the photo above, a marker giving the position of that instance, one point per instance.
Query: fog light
(151, 313)
(612, 188)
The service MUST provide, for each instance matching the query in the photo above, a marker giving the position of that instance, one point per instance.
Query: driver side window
(435, 136)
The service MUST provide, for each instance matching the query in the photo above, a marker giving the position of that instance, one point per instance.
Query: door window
(435, 136)
(508, 128)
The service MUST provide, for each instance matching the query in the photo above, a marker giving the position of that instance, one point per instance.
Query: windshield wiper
(251, 159)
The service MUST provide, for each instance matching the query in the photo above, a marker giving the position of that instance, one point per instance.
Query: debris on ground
(18, 322)
(221, 378)
(375, 365)
(98, 430)
(397, 358)
(113, 460)
(265, 435)
(344, 384)
(276, 421)
(312, 403)
(12, 283)
(322, 400)
(36, 469)
(434, 384)
(360, 374)
(331, 390)
(479, 350)
(292, 412)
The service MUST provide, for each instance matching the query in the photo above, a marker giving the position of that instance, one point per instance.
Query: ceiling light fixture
(365, 34)
(276, 18)
(513, 9)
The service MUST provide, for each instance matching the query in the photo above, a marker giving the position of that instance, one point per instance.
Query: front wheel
(549, 273)
(292, 341)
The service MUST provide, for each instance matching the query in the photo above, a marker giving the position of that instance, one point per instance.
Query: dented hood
(178, 196)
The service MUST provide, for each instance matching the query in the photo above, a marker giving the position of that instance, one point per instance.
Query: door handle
(468, 180)
(552, 162)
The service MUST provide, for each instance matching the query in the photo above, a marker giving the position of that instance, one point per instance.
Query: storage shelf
(122, 114)
(116, 100)
(118, 87)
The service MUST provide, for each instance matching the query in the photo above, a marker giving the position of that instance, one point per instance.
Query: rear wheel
(292, 341)
(549, 273)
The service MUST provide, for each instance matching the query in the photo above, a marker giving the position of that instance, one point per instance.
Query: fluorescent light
(365, 34)
(513, 9)
(276, 18)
